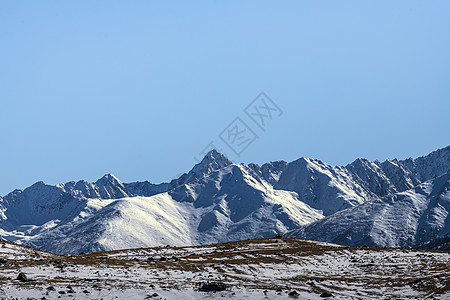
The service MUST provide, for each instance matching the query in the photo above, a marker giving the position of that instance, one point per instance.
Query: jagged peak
(441, 151)
(359, 161)
(215, 156)
(37, 185)
(310, 163)
(301, 160)
(108, 178)
(444, 149)
(394, 160)
(81, 182)
(438, 152)
(15, 192)
(389, 162)
(212, 161)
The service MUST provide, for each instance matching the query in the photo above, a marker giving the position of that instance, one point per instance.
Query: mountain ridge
(216, 201)
(407, 219)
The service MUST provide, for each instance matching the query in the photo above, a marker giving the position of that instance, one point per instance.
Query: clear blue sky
(139, 88)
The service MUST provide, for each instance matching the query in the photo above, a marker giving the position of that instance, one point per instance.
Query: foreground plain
(276, 268)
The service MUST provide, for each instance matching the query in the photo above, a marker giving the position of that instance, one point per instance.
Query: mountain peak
(108, 178)
(213, 160)
(39, 183)
(219, 201)
(215, 156)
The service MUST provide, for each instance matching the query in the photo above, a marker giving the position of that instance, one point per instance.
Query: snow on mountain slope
(428, 167)
(405, 219)
(107, 187)
(321, 186)
(371, 176)
(334, 188)
(394, 176)
(238, 205)
(271, 171)
(216, 201)
(230, 204)
(118, 224)
(57, 229)
(400, 179)
(40, 205)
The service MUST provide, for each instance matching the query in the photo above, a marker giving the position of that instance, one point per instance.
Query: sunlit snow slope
(217, 201)
(405, 219)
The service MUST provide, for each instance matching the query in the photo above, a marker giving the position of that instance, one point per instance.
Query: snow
(218, 201)
(405, 219)
(161, 214)
(321, 186)
(254, 269)
(229, 205)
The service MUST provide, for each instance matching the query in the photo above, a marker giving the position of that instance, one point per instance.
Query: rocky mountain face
(216, 201)
(418, 217)
(231, 203)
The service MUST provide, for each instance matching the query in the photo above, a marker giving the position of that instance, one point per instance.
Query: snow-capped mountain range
(407, 219)
(218, 201)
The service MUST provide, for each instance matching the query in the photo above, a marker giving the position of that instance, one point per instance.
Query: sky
(141, 88)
